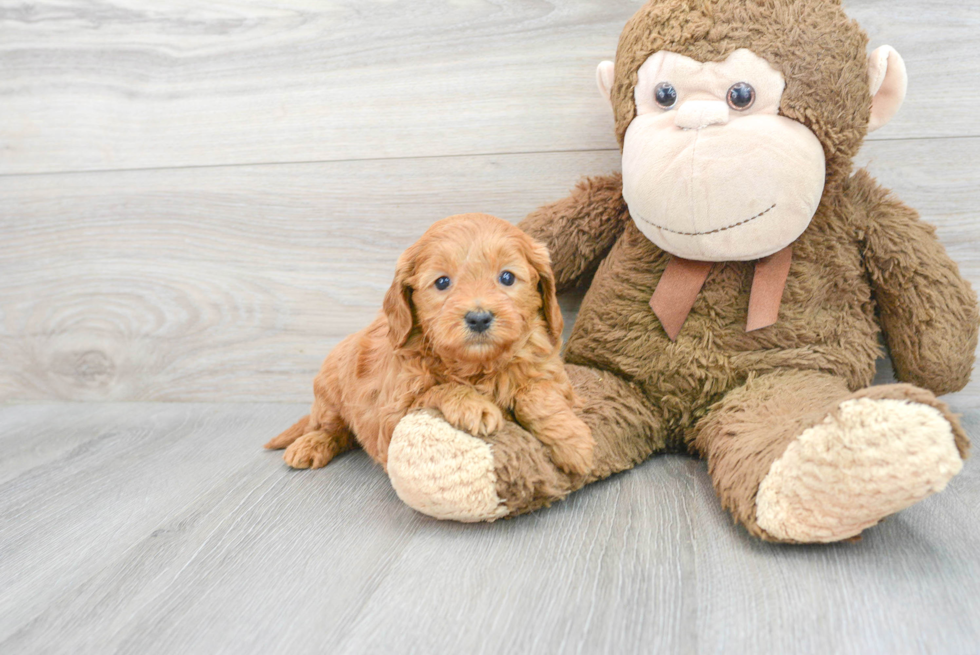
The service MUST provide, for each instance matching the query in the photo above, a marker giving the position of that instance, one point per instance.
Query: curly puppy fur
(420, 352)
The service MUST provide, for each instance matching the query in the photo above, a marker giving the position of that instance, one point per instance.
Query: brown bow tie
(683, 278)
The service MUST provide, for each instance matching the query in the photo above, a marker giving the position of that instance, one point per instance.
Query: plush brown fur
(419, 352)
(865, 266)
(752, 426)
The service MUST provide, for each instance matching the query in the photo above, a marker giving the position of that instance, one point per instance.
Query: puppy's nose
(478, 321)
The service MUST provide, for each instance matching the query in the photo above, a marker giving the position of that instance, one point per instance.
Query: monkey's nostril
(478, 322)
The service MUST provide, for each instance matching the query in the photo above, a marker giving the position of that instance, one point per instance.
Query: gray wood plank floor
(163, 528)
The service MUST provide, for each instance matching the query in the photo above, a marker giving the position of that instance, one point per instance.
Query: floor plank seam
(355, 160)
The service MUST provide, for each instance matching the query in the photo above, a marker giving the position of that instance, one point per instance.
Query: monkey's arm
(579, 230)
(928, 311)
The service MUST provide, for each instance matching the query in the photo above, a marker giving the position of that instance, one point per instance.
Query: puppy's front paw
(476, 415)
(311, 451)
(572, 452)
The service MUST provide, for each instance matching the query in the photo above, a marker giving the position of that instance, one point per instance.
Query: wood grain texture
(171, 531)
(226, 283)
(122, 84)
(197, 201)
(232, 283)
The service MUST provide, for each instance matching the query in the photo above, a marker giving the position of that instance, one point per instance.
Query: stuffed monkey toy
(739, 275)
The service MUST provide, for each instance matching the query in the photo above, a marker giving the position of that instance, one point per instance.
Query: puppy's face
(478, 285)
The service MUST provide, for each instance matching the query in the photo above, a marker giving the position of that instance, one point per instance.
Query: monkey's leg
(796, 457)
(449, 474)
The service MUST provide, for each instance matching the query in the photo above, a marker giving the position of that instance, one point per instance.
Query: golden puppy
(471, 327)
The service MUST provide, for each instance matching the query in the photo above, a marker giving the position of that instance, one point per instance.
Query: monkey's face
(711, 171)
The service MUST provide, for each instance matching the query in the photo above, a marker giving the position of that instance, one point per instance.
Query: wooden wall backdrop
(197, 200)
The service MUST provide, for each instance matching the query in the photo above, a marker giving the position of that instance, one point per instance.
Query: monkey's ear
(398, 303)
(888, 81)
(604, 76)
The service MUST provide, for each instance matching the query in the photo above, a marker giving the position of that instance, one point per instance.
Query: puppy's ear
(537, 255)
(398, 307)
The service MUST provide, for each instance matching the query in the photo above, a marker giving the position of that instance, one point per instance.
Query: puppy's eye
(741, 96)
(442, 283)
(507, 278)
(665, 94)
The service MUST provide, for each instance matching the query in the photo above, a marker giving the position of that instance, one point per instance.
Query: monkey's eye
(442, 283)
(665, 94)
(741, 96)
(507, 278)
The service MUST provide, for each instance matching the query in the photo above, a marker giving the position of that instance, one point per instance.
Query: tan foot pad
(869, 459)
(443, 472)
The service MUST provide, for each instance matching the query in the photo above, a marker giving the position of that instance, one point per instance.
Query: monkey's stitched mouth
(698, 234)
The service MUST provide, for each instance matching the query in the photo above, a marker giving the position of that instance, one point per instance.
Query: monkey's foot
(443, 472)
(868, 459)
